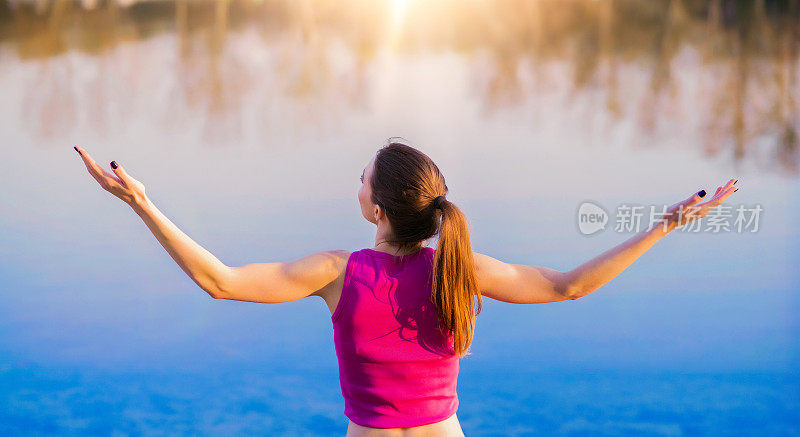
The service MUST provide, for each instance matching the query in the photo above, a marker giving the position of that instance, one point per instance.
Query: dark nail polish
(702, 193)
(114, 164)
(735, 190)
(76, 149)
(734, 182)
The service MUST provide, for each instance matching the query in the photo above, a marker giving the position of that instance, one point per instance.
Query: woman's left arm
(593, 274)
(261, 282)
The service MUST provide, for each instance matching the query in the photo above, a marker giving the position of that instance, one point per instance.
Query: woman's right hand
(120, 184)
(689, 210)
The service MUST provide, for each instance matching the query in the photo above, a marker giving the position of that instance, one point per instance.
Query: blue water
(279, 399)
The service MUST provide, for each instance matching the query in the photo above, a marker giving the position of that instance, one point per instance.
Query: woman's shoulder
(340, 256)
(332, 262)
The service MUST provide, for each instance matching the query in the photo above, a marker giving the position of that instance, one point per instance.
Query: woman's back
(397, 368)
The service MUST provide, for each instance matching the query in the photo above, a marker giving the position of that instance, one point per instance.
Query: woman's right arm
(516, 283)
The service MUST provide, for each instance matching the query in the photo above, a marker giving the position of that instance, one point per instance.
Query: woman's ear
(377, 213)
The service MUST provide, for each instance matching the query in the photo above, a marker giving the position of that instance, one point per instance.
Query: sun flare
(398, 15)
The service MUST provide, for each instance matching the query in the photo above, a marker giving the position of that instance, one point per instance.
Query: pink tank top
(397, 369)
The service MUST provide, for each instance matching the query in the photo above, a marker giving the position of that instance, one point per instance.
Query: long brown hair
(405, 182)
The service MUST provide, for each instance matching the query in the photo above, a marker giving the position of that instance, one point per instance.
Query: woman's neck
(382, 246)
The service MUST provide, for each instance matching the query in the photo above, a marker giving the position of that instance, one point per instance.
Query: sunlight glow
(398, 11)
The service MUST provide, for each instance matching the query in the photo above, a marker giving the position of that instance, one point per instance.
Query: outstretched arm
(516, 283)
(262, 282)
(204, 268)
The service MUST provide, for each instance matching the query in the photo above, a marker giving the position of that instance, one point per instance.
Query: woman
(403, 313)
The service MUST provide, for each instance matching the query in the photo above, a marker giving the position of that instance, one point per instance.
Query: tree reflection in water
(727, 68)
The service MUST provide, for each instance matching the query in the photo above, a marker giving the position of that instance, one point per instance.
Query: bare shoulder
(335, 263)
(275, 282)
(518, 283)
(334, 254)
(339, 256)
(487, 268)
(319, 263)
(486, 263)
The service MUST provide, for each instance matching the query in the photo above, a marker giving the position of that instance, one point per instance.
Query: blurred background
(250, 123)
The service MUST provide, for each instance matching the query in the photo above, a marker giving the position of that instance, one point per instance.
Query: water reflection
(727, 69)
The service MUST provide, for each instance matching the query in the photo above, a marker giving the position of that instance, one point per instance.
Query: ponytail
(454, 282)
(409, 187)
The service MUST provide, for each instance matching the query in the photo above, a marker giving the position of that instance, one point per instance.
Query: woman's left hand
(120, 183)
(689, 210)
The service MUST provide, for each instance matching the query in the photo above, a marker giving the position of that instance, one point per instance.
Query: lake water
(257, 157)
